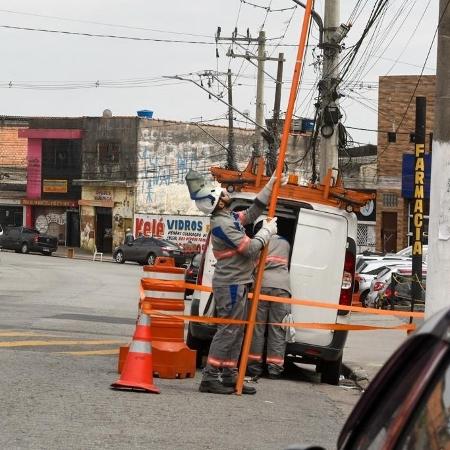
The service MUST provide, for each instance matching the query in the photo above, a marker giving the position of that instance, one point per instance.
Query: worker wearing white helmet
(276, 283)
(235, 253)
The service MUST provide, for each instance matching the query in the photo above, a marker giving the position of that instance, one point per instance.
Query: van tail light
(202, 261)
(348, 279)
(36, 238)
(378, 286)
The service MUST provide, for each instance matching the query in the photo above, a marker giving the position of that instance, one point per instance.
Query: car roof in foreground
(435, 329)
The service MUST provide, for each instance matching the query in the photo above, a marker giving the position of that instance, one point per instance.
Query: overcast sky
(33, 61)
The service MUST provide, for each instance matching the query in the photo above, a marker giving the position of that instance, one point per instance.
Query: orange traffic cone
(137, 373)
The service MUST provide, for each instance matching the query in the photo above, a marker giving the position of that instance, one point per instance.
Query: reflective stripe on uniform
(243, 246)
(223, 254)
(277, 259)
(275, 360)
(254, 357)
(216, 362)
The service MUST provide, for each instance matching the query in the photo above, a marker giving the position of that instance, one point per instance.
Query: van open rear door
(316, 270)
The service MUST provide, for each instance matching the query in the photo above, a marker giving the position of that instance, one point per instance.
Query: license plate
(46, 250)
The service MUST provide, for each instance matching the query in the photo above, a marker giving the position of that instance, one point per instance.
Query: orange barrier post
(164, 286)
(275, 190)
(137, 371)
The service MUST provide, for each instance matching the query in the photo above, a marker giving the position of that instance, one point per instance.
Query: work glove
(270, 227)
(267, 230)
(264, 195)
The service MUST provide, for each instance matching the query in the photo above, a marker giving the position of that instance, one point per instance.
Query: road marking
(16, 333)
(45, 343)
(93, 352)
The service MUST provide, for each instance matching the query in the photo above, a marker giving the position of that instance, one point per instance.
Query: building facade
(396, 112)
(13, 166)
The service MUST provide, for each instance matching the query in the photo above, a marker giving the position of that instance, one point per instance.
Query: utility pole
(438, 279)
(273, 145)
(231, 152)
(261, 59)
(328, 86)
(259, 140)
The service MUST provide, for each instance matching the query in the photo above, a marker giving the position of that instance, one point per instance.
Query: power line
(109, 36)
(103, 23)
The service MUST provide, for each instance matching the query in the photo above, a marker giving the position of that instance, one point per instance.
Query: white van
(322, 269)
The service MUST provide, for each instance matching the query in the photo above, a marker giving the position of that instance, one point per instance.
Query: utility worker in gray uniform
(235, 253)
(275, 282)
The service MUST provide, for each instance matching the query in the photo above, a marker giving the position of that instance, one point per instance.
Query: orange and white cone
(137, 373)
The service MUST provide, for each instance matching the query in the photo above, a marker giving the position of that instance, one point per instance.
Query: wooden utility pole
(438, 279)
(231, 152)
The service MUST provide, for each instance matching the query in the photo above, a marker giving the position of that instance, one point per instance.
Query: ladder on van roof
(332, 192)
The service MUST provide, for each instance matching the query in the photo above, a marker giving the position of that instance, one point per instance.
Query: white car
(322, 269)
(408, 252)
(370, 269)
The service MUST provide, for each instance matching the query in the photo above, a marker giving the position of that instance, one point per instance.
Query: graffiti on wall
(166, 152)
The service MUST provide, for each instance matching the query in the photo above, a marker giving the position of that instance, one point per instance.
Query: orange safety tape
(296, 301)
(170, 285)
(308, 325)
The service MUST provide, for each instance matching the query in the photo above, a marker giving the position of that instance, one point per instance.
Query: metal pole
(260, 94)
(438, 279)
(419, 199)
(231, 155)
(274, 196)
(330, 78)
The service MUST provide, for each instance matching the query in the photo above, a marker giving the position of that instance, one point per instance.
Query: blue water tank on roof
(145, 114)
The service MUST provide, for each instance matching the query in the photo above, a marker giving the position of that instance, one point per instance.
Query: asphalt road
(61, 323)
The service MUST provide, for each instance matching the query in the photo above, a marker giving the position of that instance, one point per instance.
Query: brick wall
(394, 96)
(13, 150)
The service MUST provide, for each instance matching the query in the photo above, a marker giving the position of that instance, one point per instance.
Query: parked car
(192, 272)
(25, 240)
(377, 293)
(323, 247)
(407, 405)
(145, 250)
(370, 269)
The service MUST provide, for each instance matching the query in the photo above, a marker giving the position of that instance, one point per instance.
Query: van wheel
(201, 346)
(331, 371)
(24, 248)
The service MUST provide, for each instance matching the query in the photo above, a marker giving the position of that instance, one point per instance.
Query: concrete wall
(122, 130)
(166, 152)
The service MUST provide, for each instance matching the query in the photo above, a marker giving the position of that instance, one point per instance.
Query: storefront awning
(102, 203)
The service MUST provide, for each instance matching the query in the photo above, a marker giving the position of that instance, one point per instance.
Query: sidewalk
(366, 351)
(79, 253)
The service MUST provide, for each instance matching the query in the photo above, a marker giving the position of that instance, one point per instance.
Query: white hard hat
(209, 199)
(258, 220)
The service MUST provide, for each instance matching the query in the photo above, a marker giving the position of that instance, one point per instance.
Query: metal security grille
(390, 200)
(365, 237)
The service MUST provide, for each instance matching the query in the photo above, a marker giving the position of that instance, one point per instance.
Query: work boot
(249, 390)
(215, 387)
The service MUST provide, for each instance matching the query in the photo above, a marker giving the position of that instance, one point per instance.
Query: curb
(357, 374)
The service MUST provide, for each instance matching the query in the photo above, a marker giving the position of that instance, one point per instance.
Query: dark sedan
(145, 250)
(192, 272)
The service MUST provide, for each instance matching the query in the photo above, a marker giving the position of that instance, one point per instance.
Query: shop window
(108, 152)
(390, 200)
(60, 154)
